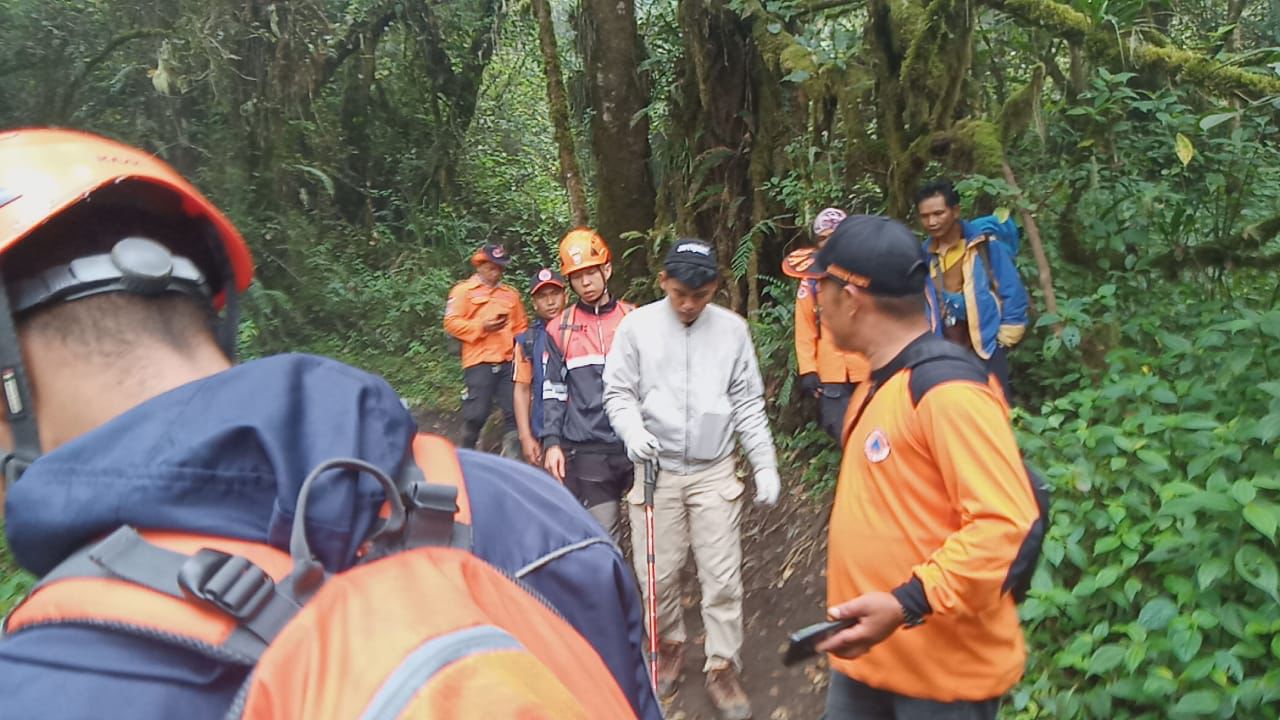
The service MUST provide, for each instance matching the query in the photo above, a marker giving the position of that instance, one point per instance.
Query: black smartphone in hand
(802, 642)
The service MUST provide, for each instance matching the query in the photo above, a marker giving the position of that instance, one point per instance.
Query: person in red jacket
(581, 448)
(824, 371)
(934, 518)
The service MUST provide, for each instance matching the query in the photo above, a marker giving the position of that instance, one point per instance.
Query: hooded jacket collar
(225, 455)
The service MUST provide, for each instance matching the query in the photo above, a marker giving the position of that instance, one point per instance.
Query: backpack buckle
(230, 583)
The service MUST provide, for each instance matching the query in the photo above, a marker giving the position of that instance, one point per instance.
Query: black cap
(493, 253)
(691, 251)
(876, 253)
(545, 276)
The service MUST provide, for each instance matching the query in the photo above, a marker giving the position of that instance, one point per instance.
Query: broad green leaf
(1258, 569)
(1184, 149)
(1156, 614)
(1209, 571)
(1199, 702)
(1105, 658)
(1153, 458)
(1244, 492)
(1001, 213)
(1264, 517)
(1268, 428)
(1164, 396)
(1212, 121)
(1185, 643)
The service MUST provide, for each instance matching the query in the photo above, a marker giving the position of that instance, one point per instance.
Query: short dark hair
(939, 186)
(903, 307)
(110, 324)
(693, 277)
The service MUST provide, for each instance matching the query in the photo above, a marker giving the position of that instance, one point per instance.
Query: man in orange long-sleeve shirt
(825, 371)
(935, 522)
(485, 315)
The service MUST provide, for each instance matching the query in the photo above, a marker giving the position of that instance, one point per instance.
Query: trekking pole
(651, 559)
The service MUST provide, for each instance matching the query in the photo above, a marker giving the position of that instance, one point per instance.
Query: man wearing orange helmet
(824, 371)
(122, 409)
(580, 447)
(485, 315)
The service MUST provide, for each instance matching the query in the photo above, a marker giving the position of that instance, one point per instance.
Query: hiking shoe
(727, 694)
(670, 666)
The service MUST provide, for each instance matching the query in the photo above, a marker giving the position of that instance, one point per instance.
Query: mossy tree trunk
(558, 109)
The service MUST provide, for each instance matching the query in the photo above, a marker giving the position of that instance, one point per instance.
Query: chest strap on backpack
(421, 511)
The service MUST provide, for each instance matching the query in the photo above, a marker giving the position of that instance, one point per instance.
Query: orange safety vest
(420, 627)
(815, 351)
(472, 303)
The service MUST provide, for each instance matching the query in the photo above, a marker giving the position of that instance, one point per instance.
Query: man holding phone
(935, 521)
(485, 315)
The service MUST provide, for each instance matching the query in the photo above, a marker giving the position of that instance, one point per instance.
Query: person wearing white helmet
(824, 371)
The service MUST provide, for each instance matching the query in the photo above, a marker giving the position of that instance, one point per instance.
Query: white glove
(642, 447)
(768, 486)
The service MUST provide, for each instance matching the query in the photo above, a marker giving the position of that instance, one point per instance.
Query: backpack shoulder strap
(984, 249)
(437, 458)
(225, 599)
(936, 361)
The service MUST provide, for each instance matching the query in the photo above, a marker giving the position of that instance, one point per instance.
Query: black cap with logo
(875, 253)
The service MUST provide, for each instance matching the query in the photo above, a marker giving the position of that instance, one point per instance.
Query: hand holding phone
(802, 642)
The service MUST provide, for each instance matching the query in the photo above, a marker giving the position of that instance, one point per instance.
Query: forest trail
(784, 581)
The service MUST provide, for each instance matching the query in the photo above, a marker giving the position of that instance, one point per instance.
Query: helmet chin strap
(16, 398)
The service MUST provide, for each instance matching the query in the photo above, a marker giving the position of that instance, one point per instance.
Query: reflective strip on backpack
(429, 660)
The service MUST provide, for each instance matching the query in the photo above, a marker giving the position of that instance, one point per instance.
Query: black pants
(599, 479)
(833, 402)
(848, 699)
(998, 365)
(487, 383)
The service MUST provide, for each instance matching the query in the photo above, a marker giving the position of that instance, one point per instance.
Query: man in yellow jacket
(485, 315)
(935, 522)
(824, 371)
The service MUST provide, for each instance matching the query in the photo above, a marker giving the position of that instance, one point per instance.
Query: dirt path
(784, 551)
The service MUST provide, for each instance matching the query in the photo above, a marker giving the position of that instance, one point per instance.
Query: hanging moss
(1103, 45)
(1020, 108)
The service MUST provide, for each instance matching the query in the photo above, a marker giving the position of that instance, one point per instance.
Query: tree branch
(64, 107)
(1103, 44)
(356, 35)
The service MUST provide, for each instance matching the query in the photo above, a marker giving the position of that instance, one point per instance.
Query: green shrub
(1158, 595)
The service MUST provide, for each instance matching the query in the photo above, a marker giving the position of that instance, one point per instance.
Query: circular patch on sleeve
(877, 446)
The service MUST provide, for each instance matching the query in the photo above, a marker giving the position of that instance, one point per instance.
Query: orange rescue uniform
(472, 303)
(815, 352)
(936, 490)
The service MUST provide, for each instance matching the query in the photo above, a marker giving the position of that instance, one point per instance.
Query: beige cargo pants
(702, 510)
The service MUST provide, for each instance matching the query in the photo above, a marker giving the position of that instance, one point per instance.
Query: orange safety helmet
(44, 172)
(582, 248)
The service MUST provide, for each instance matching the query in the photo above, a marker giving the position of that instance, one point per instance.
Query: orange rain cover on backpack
(430, 633)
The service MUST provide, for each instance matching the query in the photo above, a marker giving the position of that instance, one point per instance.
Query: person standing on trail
(976, 297)
(486, 315)
(681, 381)
(547, 289)
(122, 407)
(934, 520)
(824, 371)
(580, 447)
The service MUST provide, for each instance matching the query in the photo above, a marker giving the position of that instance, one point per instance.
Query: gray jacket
(691, 386)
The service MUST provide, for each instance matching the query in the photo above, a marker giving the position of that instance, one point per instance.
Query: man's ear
(607, 270)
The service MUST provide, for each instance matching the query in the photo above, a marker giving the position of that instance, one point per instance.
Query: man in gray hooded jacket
(680, 380)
